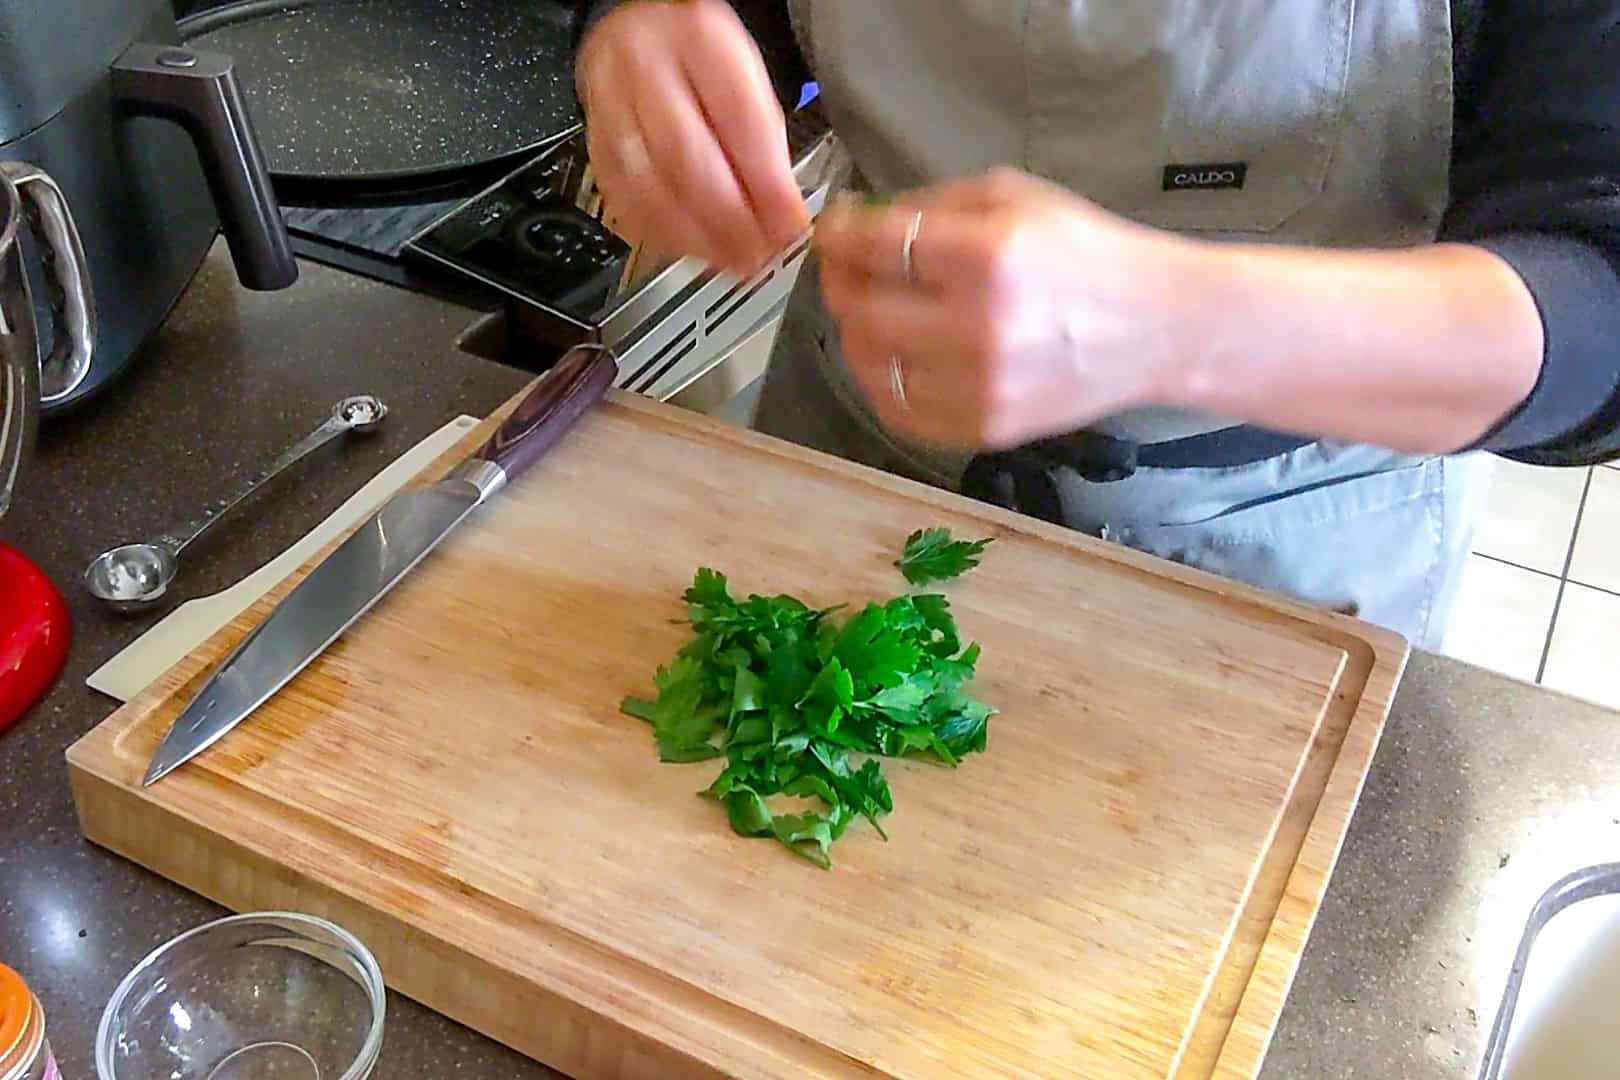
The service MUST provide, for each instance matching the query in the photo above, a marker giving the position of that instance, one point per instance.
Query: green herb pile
(786, 694)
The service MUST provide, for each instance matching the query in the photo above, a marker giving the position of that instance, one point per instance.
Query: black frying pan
(357, 100)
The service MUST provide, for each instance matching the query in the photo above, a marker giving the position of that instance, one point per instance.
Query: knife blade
(357, 574)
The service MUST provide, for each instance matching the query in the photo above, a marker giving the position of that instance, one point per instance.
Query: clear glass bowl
(265, 996)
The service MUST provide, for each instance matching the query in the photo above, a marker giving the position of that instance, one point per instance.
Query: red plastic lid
(33, 636)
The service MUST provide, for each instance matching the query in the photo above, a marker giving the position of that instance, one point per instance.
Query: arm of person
(1536, 180)
(1421, 350)
(1506, 335)
(1025, 311)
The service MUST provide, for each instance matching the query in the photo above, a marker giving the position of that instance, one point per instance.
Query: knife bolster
(482, 474)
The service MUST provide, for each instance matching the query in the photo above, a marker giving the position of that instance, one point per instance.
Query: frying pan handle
(199, 91)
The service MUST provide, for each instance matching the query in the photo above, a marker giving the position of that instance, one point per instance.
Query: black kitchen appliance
(154, 151)
(379, 117)
(380, 102)
(538, 238)
(437, 145)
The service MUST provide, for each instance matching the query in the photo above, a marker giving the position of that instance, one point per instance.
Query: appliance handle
(199, 91)
(67, 276)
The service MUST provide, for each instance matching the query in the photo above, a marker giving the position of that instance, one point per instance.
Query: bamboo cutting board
(1120, 887)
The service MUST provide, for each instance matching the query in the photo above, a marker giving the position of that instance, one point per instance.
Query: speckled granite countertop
(1484, 790)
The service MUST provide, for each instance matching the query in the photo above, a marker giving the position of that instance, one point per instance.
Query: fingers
(928, 411)
(958, 239)
(695, 173)
(948, 248)
(632, 189)
(896, 318)
(942, 378)
(977, 346)
(752, 132)
(686, 137)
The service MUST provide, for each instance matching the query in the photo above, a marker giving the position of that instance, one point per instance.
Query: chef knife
(377, 555)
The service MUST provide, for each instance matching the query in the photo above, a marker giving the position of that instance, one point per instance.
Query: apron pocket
(1370, 545)
(1255, 98)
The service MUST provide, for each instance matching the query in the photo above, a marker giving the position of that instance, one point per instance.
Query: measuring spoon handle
(179, 539)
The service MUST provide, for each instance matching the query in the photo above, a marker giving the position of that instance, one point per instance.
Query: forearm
(1422, 350)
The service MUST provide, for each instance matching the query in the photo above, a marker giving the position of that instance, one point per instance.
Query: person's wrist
(1202, 295)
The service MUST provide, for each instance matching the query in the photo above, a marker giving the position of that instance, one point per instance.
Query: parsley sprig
(931, 555)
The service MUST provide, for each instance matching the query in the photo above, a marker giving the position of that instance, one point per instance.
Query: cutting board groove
(1120, 887)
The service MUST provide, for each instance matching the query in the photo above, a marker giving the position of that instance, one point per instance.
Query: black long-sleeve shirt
(1535, 178)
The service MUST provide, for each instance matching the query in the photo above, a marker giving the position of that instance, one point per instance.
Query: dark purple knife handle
(563, 394)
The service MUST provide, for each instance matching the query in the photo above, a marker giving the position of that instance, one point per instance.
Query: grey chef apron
(1338, 116)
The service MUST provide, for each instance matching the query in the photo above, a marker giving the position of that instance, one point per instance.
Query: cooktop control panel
(528, 238)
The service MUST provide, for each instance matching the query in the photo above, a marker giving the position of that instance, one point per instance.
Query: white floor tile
(1585, 644)
(1530, 517)
(1501, 618)
(1597, 545)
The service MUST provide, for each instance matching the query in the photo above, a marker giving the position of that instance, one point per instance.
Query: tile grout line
(1593, 588)
(1563, 579)
(1499, 561)
(1549, 575)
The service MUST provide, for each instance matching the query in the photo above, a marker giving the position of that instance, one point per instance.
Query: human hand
(1029, 311)
(685, 134)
